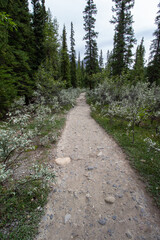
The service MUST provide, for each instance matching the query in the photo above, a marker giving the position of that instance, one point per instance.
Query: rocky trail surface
(97, 195)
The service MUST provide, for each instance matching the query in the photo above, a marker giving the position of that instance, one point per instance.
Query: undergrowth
(21, 212)
(145, 160)
(28, 129)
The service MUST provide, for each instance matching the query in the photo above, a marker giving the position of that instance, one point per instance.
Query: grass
(147, 162)
(21, 211)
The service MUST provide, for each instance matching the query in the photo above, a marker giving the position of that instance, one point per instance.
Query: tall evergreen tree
(154, 63)
(65, 64)
(124, 35)
(79, 75)
(51, 46)
(101, 64)
(82, 75)
(39, 17)
(7, 81)
(138, 68)
(48, 73)
(19, 49)
(91, 54)
(73, 59)
(108, 66)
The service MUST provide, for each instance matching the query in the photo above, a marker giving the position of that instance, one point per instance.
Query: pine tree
(51, 46)
(39, 18)
(154, 64)
(138, 68)
(79, 75)
(82, 75)
(124, 36)
(108, 66)
(65, 64)
(16, 57)
(91, 54)
(101, 64)
(7, 87)
(73, 59)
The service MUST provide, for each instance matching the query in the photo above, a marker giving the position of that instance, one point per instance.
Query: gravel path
(97, 196)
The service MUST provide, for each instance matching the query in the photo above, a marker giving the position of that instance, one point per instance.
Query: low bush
(131, 114)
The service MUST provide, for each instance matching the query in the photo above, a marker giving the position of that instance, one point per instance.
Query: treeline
(121, 61)
(33, 55)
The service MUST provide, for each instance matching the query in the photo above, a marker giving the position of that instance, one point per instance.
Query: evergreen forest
(31, 49)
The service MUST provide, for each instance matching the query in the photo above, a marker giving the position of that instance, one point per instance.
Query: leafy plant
(131, 114)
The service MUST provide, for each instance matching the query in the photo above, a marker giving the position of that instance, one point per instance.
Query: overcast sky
(144, 13)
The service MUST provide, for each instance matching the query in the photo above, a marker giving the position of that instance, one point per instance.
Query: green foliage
(7, 86)
(39, 19)
(124, 36)
(101, 64)
(7, 89)
(73, 59)
(91, 54)
(108, 67)
(47, 87)
(51, 47)
(22, 197)
(134, 103)
(154, 63)
(80, 73)
(15, 52)
(131, 114)
(21, 210)
(138, 68)
(6, 21)
(65, 64)
(144, 160)
(97, 78)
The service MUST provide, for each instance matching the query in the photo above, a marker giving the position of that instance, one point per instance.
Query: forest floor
(97, 194)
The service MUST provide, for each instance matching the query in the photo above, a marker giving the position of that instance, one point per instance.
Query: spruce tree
(82, 75)
(7, 83)
(16, 58)
(124, 36)
(65, 64)
(79, 75)
(39, 18)
(51, 46)
(138, 68)
(73, 59)
(108, 65)
(91, 54)
(101, 64)
(154, 63)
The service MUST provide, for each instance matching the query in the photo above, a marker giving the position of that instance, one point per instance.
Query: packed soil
(97, 194)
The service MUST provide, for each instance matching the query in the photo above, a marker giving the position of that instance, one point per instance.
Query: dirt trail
(97, 195)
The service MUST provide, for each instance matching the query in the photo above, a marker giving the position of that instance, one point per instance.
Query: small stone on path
(67, 217)
(128, 234)
(110, 199)
(110, 232)
(90, 168)
(102, 221)
(99, 154)
(63, 161)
